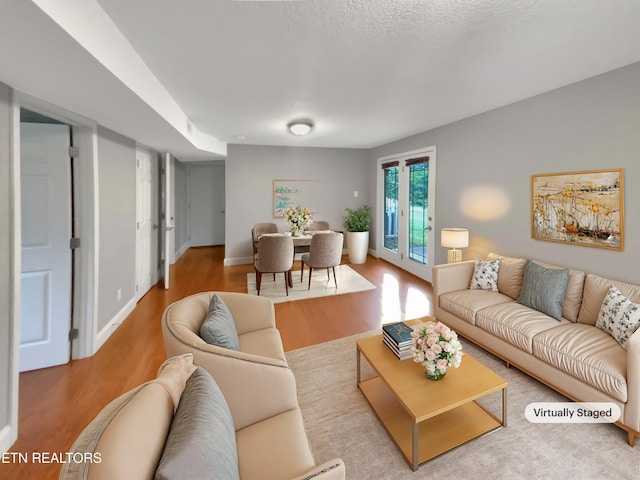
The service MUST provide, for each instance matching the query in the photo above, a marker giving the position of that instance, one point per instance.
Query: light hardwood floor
(57, 403)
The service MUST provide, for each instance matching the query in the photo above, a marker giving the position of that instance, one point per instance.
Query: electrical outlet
(355, 193)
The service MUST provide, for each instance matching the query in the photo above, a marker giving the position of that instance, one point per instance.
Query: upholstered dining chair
(260, 229)
(275, 255)
(318, 225)
(325, 251)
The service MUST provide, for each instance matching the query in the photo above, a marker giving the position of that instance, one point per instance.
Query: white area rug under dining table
(349, 281)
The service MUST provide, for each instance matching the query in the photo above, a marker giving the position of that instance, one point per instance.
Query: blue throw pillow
(543, 289)
(219, 328)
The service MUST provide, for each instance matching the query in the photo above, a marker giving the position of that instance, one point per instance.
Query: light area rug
(340, 423)
(349, 281)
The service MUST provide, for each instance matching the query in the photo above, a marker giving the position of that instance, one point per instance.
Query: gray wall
(117, 254)
(180, 209)
(250, 171)
(593, 124)
(6, 311)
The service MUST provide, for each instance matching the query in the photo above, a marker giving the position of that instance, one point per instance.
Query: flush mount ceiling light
(300, 127)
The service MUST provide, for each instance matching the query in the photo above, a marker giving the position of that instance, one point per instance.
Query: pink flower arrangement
(436, 347)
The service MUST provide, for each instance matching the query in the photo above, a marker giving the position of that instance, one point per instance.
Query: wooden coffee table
(423, 417)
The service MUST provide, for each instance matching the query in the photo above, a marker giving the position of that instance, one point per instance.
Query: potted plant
(357, 223)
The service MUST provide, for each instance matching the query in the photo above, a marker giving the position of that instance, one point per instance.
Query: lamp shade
(454, 237)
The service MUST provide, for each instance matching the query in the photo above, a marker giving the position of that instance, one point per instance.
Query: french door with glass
(406, 213)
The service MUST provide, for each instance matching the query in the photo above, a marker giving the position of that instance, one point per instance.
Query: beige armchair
(275, 255)
(257, 384)
(325, 251)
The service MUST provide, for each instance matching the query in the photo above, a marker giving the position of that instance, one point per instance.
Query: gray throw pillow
(202, 440)
(219, 328)
(543, 289)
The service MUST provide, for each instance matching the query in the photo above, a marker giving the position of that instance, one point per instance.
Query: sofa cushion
(201, 442)
(265, 342)
(595, 289)
(510, 274)
(465, 304)
(485, 275)
(619, 316)
(219, 327)
(275, 448)
(587, 353)
(573, 294)
(515, 323)
(543, 289)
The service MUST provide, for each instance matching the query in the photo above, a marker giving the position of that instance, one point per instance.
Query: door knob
(155, 227)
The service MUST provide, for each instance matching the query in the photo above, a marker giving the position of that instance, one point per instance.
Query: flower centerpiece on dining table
(436, 347)
(297, 218)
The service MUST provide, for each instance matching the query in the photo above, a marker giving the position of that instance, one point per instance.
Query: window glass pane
(391, 208)
(418, 211)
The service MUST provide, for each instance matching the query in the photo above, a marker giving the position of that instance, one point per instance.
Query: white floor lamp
(454, 238)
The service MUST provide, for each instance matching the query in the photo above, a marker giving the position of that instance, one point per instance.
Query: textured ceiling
(367, 72)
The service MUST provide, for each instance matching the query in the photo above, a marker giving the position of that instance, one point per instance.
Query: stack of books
(397, 336)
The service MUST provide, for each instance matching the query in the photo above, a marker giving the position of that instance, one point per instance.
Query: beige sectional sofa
(569, 354)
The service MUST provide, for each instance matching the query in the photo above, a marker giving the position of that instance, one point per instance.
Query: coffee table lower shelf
(435, 435)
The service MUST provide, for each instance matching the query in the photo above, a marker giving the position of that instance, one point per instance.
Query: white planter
(357, 247)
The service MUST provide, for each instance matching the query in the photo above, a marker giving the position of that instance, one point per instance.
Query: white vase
(357, 247)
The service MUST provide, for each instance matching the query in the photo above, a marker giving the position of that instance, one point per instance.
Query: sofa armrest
(632, 408)
(450, 277)
(331, 470)
(250, 312)
(255, 387)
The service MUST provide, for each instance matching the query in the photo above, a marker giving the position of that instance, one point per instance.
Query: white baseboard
(238, 261)
(8, 436)
(113, 324)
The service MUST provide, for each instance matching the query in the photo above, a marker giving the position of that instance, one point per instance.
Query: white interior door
(45, 182)
(407, 210)
(146, 222)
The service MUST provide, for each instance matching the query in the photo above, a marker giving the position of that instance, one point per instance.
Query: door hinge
(402, 256)
(137, 287)
(74, 243)
(74, 333)
(74, 152)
